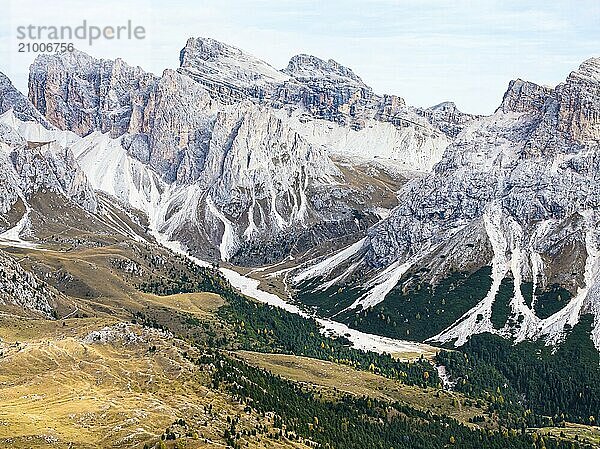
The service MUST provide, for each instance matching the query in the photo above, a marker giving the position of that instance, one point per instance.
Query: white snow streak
(12, 236)
(553, 327)
(518, 305)
(326, 266)
(382, 285)
(478, 319)
(228, 240)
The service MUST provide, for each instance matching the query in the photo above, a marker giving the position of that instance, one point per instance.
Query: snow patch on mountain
(228, 241)
(553, 327)
(329, 264)
(478, 319)
(382, 285)
(12, 236)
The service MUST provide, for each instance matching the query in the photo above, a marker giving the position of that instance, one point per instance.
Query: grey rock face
(232, 132)
(333, 92)
(579, 103)
(310, 69)
(323, 89)
(227, 72)
(31, 157)
(524, 183)
(447, 118)
(23, 289)
(84, 94)
(11, 98)
(524, 96)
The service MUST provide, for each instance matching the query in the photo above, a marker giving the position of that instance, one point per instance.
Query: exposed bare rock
(447, 118)
(524, 96)
(517, 191)
(21, 288)
(227, 72)
(126, 334)
(579, 103)
(83, 94)
(11, 98)
(33, 159)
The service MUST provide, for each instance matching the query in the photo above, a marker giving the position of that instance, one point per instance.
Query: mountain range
(135, 208)
(360, 197)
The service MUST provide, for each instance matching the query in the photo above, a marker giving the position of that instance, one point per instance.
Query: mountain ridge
(473, 195)
(521, 178)
(190, 148)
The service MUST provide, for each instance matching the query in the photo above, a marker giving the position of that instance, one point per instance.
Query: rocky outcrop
(330, 91)
(321, 89)
(524, 96)
(488, 162)
(35, 158)
(226, 177)
(12, 99)
(23, 289)
(447, 118)
(228, 73)
(517, 191)
(82, 94)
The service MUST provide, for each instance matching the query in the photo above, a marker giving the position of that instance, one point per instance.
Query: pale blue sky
(423, 50)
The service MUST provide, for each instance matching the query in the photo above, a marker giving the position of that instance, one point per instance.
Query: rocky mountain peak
(445, 106)
(11, 98)
(68, 59)
(80, 93)
(310, 68)
(231, 155)
(216, 64)
(578, 103)
(447, 117)
(206, 48)
(316, 88)
(524, 96)
(588, 70)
